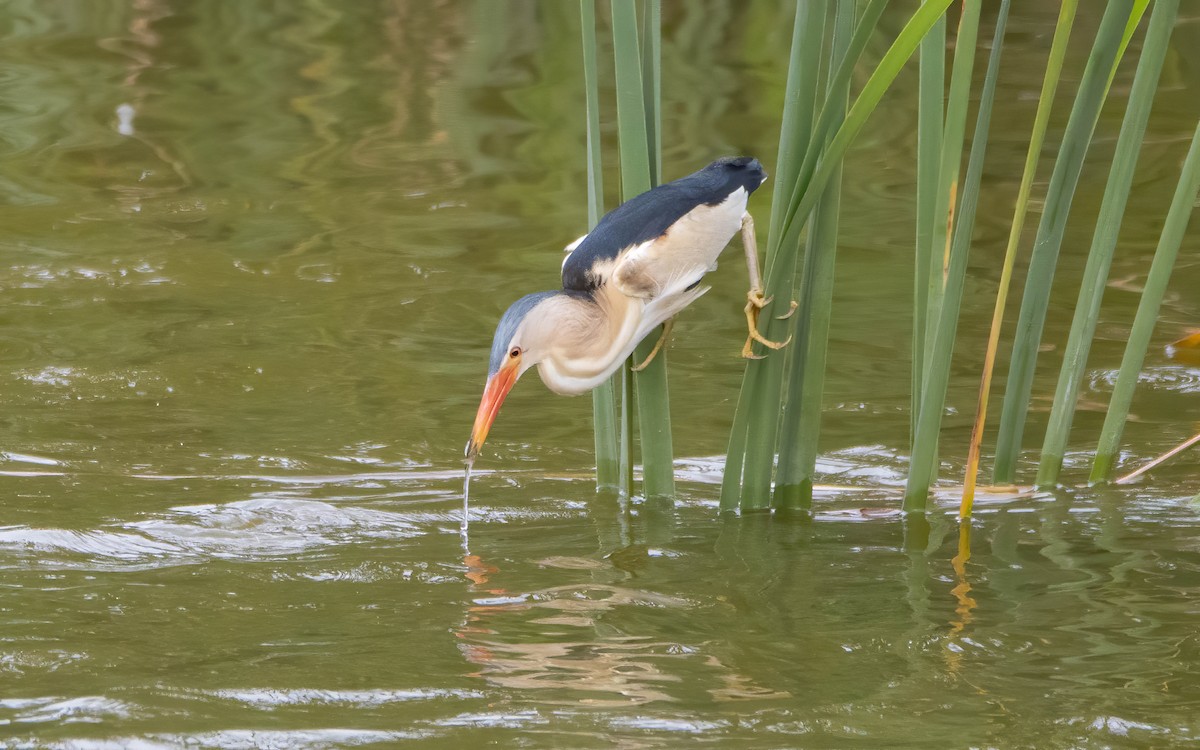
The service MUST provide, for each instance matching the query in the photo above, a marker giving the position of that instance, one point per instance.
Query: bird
(640, 265)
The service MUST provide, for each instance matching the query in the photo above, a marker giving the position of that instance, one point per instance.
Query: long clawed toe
(748, 350)
(756, 302)
(649, 358)
(662, 340)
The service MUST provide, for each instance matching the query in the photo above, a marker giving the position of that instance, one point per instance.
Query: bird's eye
(515, 352)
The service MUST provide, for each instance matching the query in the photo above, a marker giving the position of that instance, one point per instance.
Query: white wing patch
(571, 248)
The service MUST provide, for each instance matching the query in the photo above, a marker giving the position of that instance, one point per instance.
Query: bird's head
(742, 171)
(520, 343)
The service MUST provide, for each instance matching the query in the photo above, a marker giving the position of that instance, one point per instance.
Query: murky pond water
(250, 259)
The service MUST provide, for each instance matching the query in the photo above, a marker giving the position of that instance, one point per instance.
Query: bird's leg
(662, 339)
(754, 298)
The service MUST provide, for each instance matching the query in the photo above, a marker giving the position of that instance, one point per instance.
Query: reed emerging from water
(636, 54)
(774, 442)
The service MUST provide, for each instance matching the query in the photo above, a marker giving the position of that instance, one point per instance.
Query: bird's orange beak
(497, 388)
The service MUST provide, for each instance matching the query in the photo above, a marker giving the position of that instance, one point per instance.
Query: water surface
(250, 261)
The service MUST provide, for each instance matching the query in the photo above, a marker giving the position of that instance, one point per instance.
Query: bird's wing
(636, 229)
(676, 260)
(637, 221)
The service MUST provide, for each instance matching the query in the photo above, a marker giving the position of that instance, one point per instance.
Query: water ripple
(273, 698)
(247, 529)
(90, 709)
(1165, 378)
(40, 275)
(238, 739)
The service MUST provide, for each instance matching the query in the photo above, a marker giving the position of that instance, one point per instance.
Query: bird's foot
(662, 340)
(754, 303)
(791, 310)
(755, 298)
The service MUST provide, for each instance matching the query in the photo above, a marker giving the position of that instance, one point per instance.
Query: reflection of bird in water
(640, 266)
(585, 650)
(478, 571)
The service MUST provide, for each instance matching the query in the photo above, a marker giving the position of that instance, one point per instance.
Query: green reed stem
(604, 405)
(632, 120)
(1135, 18)
(757, 420)
(1059, 195)
(1058, 52)
(639, 154)
(625, 472)
(735, 454)
(949, 165)
(877, 84)
(923, 465)
(1104, 241)
(765, 410)
(936, 258)
(801, 425)
(652, 83)
(931, 95)
(795, 133)
(830, 117)
(1147, 313)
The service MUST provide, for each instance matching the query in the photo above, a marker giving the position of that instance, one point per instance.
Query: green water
(242, 343)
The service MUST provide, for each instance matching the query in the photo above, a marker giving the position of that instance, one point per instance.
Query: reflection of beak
(497, 388)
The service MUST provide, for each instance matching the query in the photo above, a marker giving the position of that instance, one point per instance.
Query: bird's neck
(592, 335)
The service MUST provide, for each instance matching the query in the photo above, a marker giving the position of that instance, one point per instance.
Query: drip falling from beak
(497, 388)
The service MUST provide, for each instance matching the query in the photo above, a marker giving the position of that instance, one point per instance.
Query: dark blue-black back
(652, 213)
